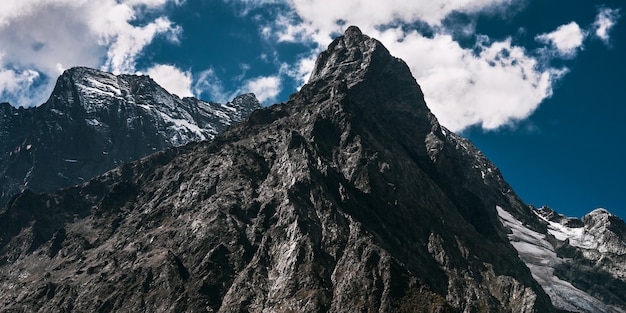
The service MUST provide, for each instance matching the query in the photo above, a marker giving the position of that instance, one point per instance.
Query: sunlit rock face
(95, 121)
(348, 197)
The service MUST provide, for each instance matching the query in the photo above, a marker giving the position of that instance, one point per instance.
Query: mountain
(348, 197)
(580, 263)
(95, 121)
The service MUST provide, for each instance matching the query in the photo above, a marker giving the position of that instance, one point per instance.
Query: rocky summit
(95, 121)
(349, 197)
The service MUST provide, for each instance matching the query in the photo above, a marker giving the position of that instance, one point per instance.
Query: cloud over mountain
(39, 39)
(491, 83)
(469, 78)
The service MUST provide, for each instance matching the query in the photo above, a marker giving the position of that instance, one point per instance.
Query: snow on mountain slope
(581, 264)
(541, 258)
(99, 121)
(599, 237)
(180, 120)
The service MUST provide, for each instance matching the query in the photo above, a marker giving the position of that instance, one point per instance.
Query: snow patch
(109, 88)
(540, 257)
(95, 91)
(181, 124)
(226, 106)
(578, 237)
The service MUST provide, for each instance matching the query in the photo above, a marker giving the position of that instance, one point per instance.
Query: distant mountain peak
(600, 211)
(353, 31)
(95, 121)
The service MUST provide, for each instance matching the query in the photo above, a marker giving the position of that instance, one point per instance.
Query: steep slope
(95, 121)
(580, 263)
(350, 196)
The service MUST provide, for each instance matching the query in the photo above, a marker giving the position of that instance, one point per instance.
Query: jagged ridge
(350, 195)
(95, 121)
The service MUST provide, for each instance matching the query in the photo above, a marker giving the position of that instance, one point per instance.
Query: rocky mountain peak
(362, 63)
(551, 215)
(349, 196)
(362, 72)
(95, 121)
(349, 57)
(93, 90)
(609, 230)
(598, 218)
(599, 212)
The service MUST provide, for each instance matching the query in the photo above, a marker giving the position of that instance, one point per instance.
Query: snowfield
(540, 257)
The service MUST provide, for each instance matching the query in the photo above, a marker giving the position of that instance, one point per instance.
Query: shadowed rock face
(348, 197)
(95, 121)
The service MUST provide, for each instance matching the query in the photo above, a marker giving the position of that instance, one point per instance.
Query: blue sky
(537, 85)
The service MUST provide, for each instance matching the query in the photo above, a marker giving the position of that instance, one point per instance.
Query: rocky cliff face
(350, 196)
(95, 121)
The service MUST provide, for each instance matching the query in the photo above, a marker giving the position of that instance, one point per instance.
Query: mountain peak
(83, 71)
(352, 30)
(600, 211)
(95, 121)
(349, 195)
(361, 68)
(349, 57)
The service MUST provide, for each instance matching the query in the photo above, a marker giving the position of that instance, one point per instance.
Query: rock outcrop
(95, 121)
(348, 197)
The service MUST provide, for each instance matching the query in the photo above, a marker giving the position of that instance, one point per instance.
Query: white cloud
(323, 15)
(567, 39)
(12, 81)
(47, 36)
(301, 71)
(492, 84)
(320, 20)
(209, 86)
(16, 84)
(497, 86)
(172, 79)
(605, 20)
(266, 88)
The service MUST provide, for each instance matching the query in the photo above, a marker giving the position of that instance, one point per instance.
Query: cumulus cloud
(208, 85)
(605, 20)
(493, 83)
(127, 42)
(567, 39)
(324, 15)
(319, 21)
(494, 87)
(300, 71)
(13, 83)
(48, 36)
(266, 88)
(172, 79)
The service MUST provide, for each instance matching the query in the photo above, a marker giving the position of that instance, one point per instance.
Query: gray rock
(95, 121)
(348, 197)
